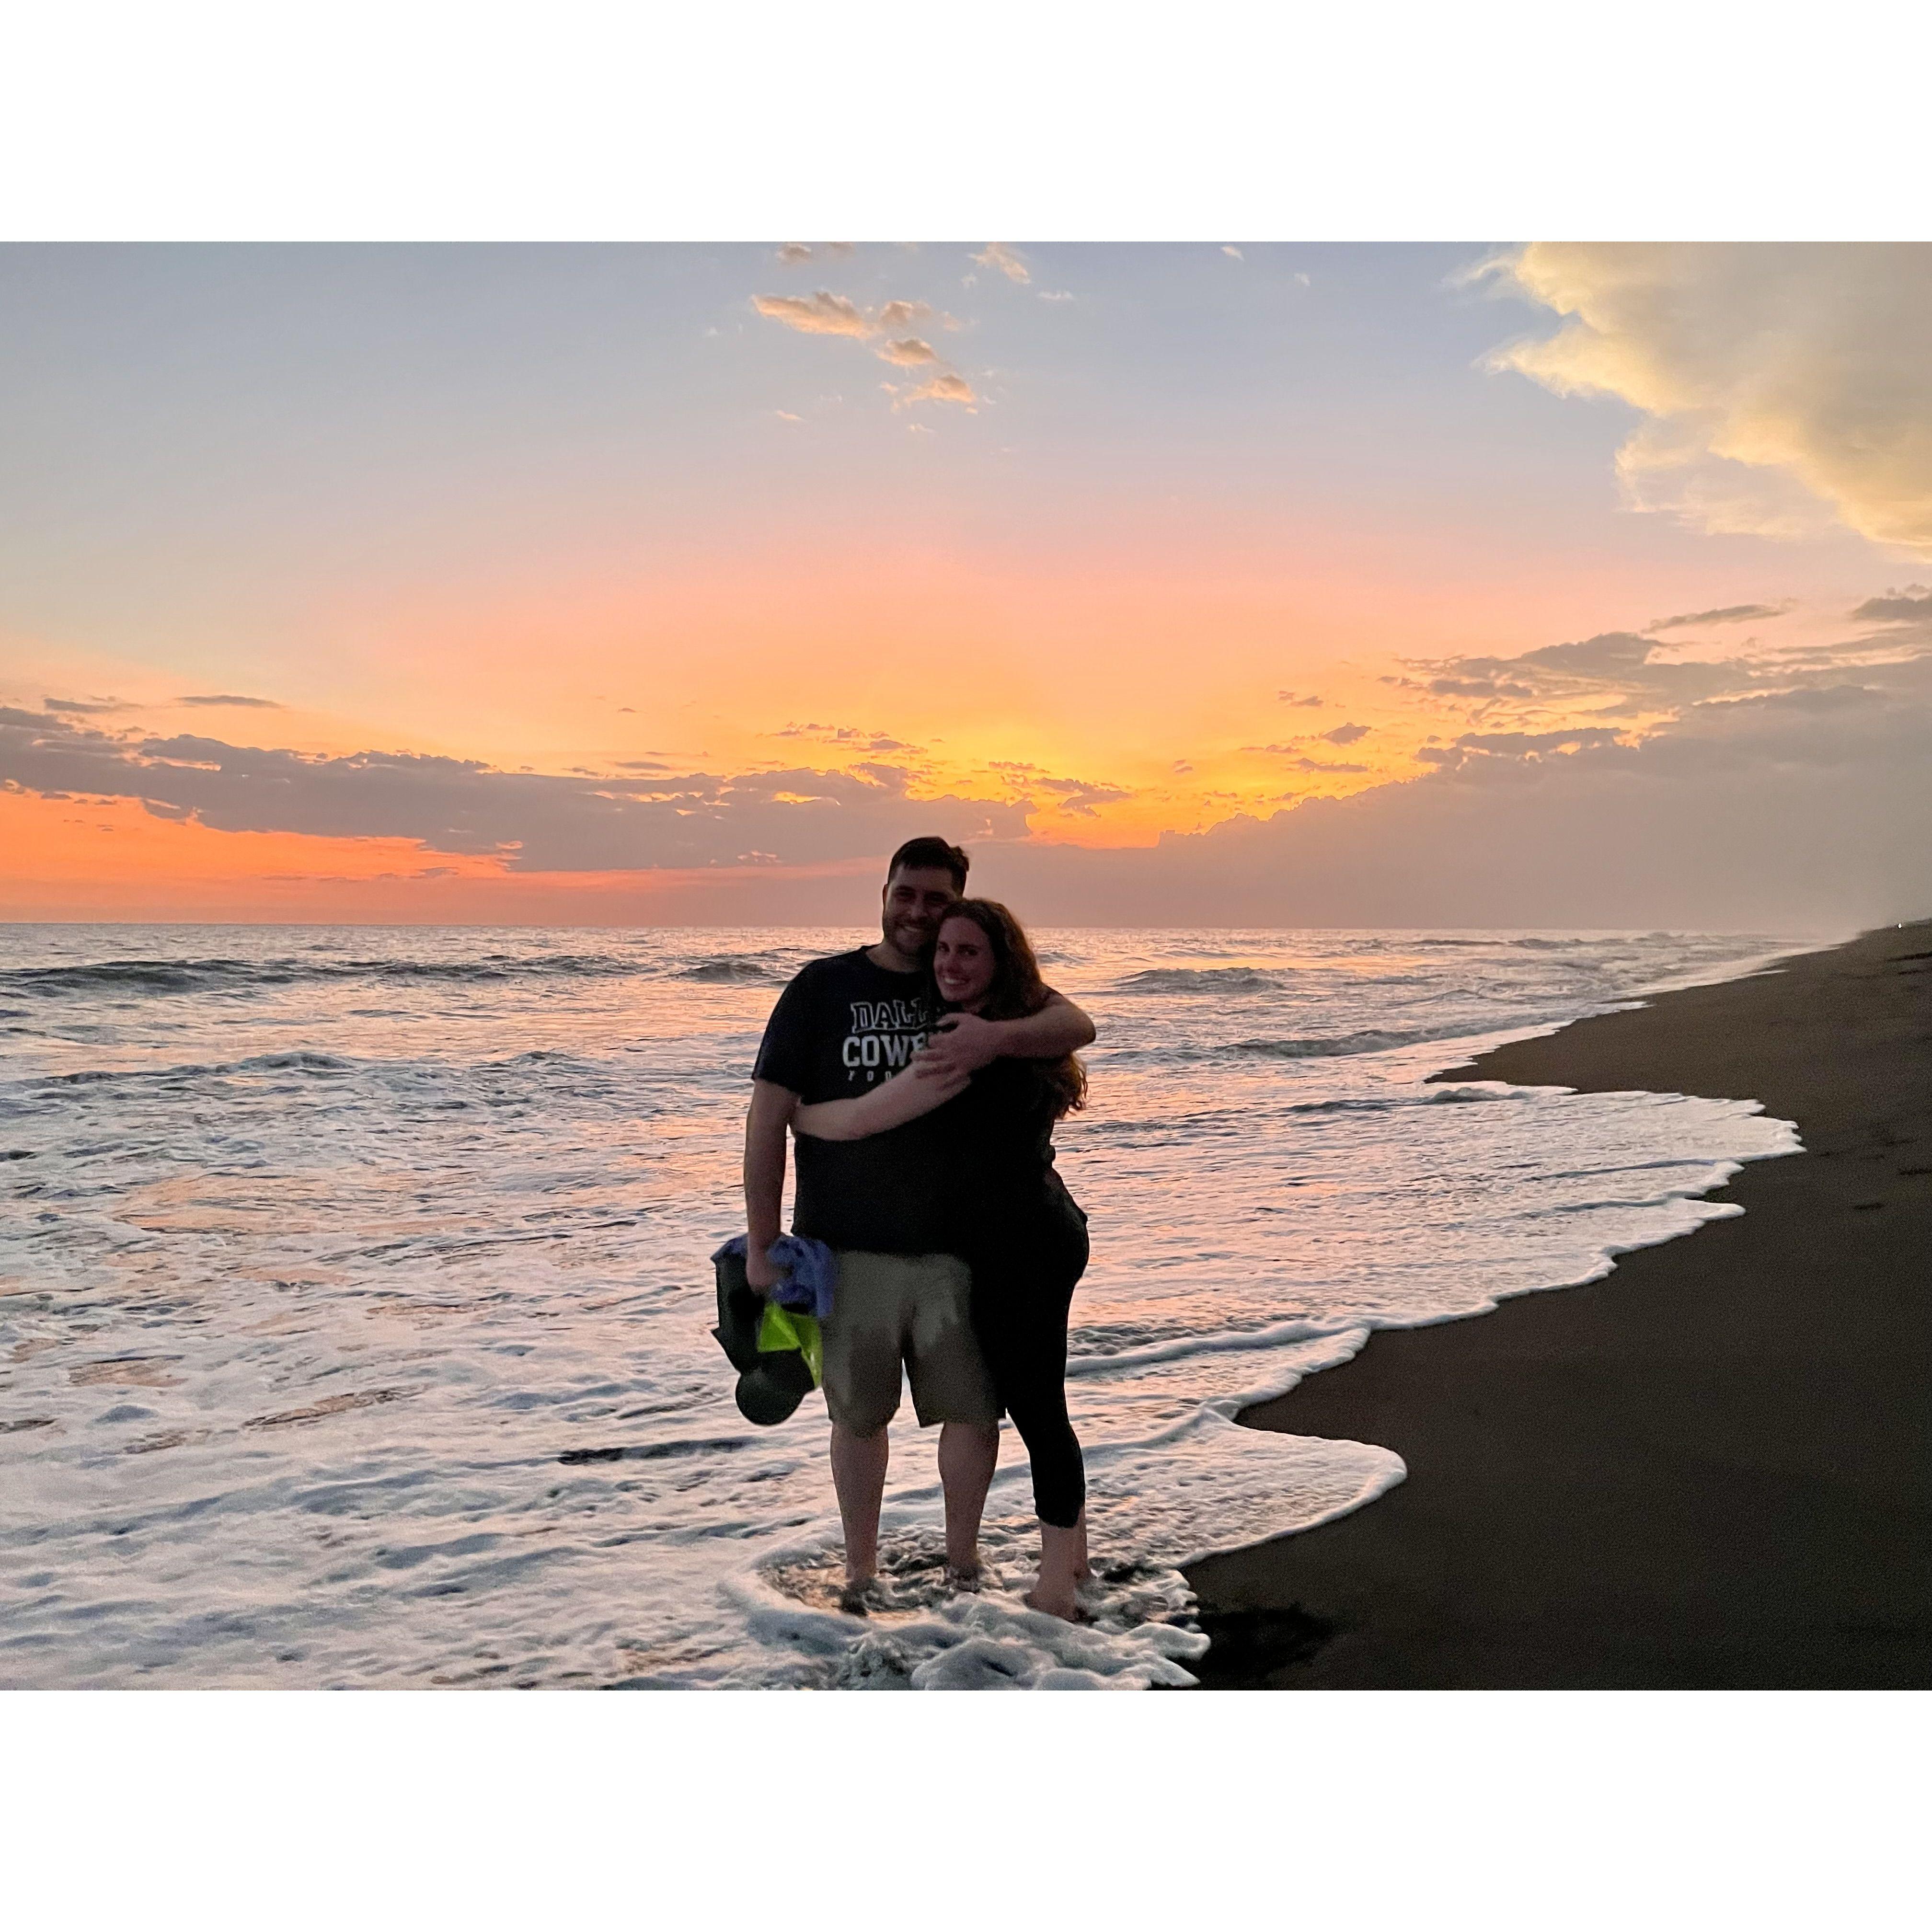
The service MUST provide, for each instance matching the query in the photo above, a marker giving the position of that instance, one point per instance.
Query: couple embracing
(920, 1079)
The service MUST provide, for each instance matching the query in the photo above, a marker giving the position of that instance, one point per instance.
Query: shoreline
(1710, 1469)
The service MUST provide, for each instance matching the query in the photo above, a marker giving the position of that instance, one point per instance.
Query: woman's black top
(1002, 1186)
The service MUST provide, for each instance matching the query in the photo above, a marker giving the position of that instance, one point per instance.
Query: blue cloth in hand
(810, 1270)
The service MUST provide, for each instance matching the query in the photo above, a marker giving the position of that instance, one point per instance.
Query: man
(841, 1026)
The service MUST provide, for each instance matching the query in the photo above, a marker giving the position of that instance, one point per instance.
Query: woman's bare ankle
(1056, 1599)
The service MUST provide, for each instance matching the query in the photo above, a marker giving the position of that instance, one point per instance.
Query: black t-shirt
(1002, 1183)
(842, 1026)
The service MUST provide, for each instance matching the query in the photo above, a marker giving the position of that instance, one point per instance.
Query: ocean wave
(1431, 1096)
(157, 977)
(1324, 1046)
(203, 975)
(728, 970)
(292, 1062)
(1201, 979)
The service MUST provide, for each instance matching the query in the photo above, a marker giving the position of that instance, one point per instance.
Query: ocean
(354, 1296)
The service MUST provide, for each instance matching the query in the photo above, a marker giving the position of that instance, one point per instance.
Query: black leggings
(1022, 1292)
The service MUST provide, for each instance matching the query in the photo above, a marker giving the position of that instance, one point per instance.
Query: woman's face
(963, 962)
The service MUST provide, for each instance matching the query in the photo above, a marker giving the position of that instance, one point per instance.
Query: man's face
(916, 898)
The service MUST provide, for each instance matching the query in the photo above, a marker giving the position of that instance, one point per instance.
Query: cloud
(1228, 248)
(1300, 759)
(1731, 613)
(1008, 261)
(1777, 812)
(1055, 295)
(228, 700)
(846, 737)
(531, 822)
(793, 253)
(947, 388)
(1781, 384)
(1300, 702)
(786, 416)
(823, 314)
(85, 707)
(1517, 745)
(1346, 734)
(1079, 798)
(1618, 674)
(1476, 687)
(1897, 609)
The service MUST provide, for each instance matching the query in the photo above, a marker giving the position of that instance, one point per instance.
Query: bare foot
(1065, 1606)
(862, 1598)
(970, 1582)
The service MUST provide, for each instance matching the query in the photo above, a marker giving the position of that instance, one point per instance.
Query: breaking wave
(155, 977)
(1201, 979)
(1326, 1046)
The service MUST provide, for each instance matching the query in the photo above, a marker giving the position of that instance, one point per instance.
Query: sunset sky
(601, 584)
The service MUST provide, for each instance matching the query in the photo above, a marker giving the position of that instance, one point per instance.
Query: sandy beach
(1712, 1468)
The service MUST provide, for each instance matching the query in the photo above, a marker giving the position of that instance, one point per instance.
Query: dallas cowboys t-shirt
(842, 1026)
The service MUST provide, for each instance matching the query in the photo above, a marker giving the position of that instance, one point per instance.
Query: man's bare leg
(859, 1475)
(968, 1453)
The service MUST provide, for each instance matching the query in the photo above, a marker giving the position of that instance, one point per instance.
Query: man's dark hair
(934, 855)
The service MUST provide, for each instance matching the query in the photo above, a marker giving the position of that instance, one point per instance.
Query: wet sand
(1712, 1469)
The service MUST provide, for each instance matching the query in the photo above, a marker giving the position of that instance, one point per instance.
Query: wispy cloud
(1293, 752)
(846, 737)
(227, 700)
(1228, 248)
(1731, 613)
(1009, 261)
(1078, 798)
(85, 707)
(1346, 734)
(1619, 674)
(946, 388)
(796, 254)
(823, 313)
(1299, 700)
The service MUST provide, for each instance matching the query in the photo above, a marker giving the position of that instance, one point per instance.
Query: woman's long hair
(1018, 991)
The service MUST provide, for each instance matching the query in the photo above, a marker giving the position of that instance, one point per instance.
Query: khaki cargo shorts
(887, 1309)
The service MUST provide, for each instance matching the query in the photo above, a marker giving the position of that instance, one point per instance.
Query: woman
(1015, 1222)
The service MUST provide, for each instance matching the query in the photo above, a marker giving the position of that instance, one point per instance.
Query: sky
(1244, 583)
